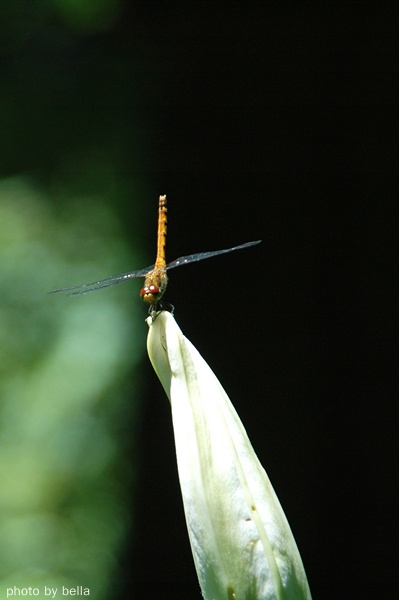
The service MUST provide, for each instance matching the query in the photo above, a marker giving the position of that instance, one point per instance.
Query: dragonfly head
(151, 293)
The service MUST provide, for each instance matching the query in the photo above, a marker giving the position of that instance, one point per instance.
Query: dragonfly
(156, 278)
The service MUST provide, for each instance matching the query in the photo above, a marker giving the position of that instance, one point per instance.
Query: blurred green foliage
(88, 15)
(68, 381)
(65, 400)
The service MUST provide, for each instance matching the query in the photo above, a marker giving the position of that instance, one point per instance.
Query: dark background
(273, 121)
(276, 121)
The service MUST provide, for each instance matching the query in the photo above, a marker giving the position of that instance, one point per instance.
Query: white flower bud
(241, 541)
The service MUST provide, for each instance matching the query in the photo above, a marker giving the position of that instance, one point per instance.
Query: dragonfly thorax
(154, 286)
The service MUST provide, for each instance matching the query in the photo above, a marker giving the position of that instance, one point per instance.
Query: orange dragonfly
(156, 278)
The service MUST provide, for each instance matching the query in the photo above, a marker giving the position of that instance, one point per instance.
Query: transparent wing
(85, 288)
(184, 260)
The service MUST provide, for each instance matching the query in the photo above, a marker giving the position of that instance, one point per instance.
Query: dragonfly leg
(155, 309)
(166, 306)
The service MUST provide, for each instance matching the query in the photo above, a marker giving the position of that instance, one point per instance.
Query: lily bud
(241, 541)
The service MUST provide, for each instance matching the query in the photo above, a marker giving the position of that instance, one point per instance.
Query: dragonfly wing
(184, 260)
(85, 288)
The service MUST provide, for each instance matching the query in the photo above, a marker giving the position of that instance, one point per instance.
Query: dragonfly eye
(150, 293)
